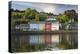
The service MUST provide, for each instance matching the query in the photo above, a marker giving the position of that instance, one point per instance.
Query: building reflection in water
(56, 41)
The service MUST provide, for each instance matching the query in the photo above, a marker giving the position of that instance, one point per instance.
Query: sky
(43, 7)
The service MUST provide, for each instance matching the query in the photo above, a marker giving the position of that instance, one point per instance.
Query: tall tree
(63, 18)
(37, 17)
(72, 15)
(30, 14)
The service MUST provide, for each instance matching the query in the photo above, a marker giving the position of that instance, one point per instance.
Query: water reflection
(68, 41)
(43, 42)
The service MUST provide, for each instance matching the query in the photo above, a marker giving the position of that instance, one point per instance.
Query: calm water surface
(30, 43)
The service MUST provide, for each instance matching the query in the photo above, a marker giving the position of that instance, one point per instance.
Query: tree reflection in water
(32, 43)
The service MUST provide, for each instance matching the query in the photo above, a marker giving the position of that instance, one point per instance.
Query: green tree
(37, 17)
(30, 14)
(72, 15)
(63, 18)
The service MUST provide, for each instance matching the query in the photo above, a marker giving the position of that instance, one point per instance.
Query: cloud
(46, 7)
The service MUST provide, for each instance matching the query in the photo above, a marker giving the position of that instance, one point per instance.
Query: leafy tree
(63, 18)
(30, 14)
(72, 15)
(16, 15)
(36, 17)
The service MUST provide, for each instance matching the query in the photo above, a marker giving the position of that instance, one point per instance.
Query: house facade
(50, 24)
(22, 27)
(36, 26)
(54, 23)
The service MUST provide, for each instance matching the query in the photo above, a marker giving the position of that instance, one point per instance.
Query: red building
(47, 27)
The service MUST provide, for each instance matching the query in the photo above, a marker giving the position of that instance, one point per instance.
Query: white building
(54, 23)
(42, 26)
(36, 26)
(23, 27)
(55, 26)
